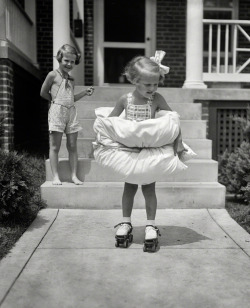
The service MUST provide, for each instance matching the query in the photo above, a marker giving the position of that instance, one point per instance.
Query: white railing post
(61, 26)
(225, 58)
(194, 45)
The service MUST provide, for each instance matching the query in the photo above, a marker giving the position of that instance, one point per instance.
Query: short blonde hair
(66, 48)
(142, 66)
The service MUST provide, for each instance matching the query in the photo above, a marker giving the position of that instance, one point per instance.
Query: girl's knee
(54, 148)
(71, 147)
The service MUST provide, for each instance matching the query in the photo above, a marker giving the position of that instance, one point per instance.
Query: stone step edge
(84, 100)
(194, 160)
(108, 195)
(121, 184)
(185, 139)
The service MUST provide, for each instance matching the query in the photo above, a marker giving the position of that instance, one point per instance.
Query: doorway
(123, 29)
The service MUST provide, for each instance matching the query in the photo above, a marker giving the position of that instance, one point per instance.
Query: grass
(13, 226)
(10, 232)
(240, 213)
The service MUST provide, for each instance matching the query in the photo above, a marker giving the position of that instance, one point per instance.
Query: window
(220, 9)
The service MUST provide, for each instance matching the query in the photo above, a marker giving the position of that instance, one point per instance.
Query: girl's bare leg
(150, 200)
(128, 199)
(55, 143)
(73, 157)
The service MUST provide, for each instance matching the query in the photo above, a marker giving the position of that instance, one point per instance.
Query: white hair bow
(159, 55)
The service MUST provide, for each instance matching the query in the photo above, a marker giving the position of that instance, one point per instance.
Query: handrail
(220, 32)
(226, 21)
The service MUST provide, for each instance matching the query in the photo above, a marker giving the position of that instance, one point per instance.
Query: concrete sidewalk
(67, 258)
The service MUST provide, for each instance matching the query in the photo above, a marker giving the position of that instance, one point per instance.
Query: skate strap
(156, 229)
(123, 223)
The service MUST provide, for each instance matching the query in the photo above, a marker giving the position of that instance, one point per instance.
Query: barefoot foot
(76, 180)
(56, 181)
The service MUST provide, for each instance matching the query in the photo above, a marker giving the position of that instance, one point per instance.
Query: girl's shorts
(63, 119)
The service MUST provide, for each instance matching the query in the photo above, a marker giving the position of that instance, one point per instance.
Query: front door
(122, 29)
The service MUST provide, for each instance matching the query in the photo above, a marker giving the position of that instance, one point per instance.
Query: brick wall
(89, 42)
(171, 37)
(6, 103)
(44, 16)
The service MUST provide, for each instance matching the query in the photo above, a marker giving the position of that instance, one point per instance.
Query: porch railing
(20, 30)
(226, 50)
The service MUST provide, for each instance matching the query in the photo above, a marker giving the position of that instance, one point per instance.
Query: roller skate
(151, 238)
(124, 234)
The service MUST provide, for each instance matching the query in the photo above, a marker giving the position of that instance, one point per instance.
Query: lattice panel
(229, 134)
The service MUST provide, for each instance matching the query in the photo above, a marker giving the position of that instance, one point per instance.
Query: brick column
(194, 45)
(7, 104)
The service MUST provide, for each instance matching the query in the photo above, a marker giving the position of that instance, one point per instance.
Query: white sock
(126, 219)
(151, 222)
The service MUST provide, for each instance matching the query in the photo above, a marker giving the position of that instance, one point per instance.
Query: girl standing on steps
(142, 104)
(58, 88)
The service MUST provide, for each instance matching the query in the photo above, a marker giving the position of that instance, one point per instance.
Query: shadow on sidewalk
(170, 235)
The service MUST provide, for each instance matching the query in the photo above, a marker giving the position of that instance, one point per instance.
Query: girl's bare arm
(46, 86)
(89, 91)
(119, 107)
(161, 103)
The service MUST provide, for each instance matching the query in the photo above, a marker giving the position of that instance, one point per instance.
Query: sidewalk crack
(227, 233)
(19, 274)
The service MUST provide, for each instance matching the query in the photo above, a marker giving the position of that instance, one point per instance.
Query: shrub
(234, 171)
(2, 130)
(20, 178)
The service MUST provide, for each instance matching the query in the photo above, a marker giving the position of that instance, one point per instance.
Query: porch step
(107, 195)
(86, 109)
(171, 95)
(202, 147)
(196, 187)
(90, 171)
(191, 129)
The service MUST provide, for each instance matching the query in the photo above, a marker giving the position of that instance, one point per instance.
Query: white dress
(138, 149)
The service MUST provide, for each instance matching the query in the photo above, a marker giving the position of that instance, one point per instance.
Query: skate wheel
(144, 248)
(116, 244)
(126, 244)
(153, 249)
(131, 238)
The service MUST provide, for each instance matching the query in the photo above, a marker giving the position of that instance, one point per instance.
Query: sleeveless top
(138, 112)
(64, 93)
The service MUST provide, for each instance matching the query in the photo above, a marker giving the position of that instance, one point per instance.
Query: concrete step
(202, 147)
(171, 95)
(84, 148)
(101, 195)
(90, 171)
(191, 129)
(86, 109)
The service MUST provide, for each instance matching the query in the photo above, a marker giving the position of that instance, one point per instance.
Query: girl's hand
(178, 146)
(90, 91)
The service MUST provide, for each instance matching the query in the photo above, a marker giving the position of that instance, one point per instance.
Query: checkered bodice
(138, 112)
